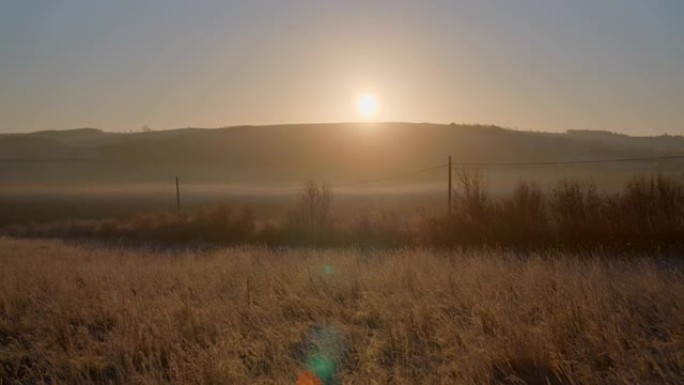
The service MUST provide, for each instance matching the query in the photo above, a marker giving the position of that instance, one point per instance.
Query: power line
(462, 164)
(254, 190)
(566, 162)
(514, 164)
(408, 173)
(356, 183)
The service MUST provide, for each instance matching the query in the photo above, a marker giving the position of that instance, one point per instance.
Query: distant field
(83, 314)
(645, 216)
(21, 204)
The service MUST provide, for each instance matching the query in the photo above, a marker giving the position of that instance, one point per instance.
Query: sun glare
(367, 105)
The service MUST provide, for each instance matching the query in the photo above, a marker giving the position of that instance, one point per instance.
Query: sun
(367, 105)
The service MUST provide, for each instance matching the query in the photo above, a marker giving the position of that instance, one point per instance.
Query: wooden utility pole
(177, 197)
(449, 194)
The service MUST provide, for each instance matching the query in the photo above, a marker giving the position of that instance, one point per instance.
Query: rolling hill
(288, 154)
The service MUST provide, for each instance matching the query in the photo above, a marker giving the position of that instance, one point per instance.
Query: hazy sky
(545, 65)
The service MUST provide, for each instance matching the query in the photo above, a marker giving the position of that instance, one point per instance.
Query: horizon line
(490, 125)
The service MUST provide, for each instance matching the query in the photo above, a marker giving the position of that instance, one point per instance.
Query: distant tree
(313, 208)
(471, 196)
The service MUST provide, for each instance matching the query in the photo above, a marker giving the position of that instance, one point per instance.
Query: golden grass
(80, 314)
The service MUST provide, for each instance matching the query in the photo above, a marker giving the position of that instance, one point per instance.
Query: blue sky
(530, 64)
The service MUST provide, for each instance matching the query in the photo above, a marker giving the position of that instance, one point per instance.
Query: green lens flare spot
(323, 367)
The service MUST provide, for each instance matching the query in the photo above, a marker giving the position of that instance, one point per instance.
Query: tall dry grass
(80, 314)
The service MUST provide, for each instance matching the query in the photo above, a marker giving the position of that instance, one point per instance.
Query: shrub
(310, 219)
(647, 215)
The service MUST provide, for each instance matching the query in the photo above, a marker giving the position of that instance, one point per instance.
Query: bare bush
(646, 216)
(471, 197)
(522, 218)
(313, 208)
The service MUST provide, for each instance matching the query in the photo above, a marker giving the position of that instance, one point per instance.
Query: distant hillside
(287, 154)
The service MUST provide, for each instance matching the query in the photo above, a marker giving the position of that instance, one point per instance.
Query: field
(82, 313)
(645, 217)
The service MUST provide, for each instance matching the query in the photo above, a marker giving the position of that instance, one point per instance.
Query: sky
(543, 65)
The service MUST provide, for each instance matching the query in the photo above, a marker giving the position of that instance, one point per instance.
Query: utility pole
(449, 194)
(177, 197)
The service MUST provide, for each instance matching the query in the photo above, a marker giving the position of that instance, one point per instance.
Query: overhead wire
(565, 162)
(458, 164)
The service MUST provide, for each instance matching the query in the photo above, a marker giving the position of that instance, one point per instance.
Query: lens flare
(323, 358)
(322, 366)
(308, 378)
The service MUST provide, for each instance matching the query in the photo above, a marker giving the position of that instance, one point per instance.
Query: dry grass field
(87, 314)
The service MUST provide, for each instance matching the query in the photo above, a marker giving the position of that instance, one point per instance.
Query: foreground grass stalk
(77, 314)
